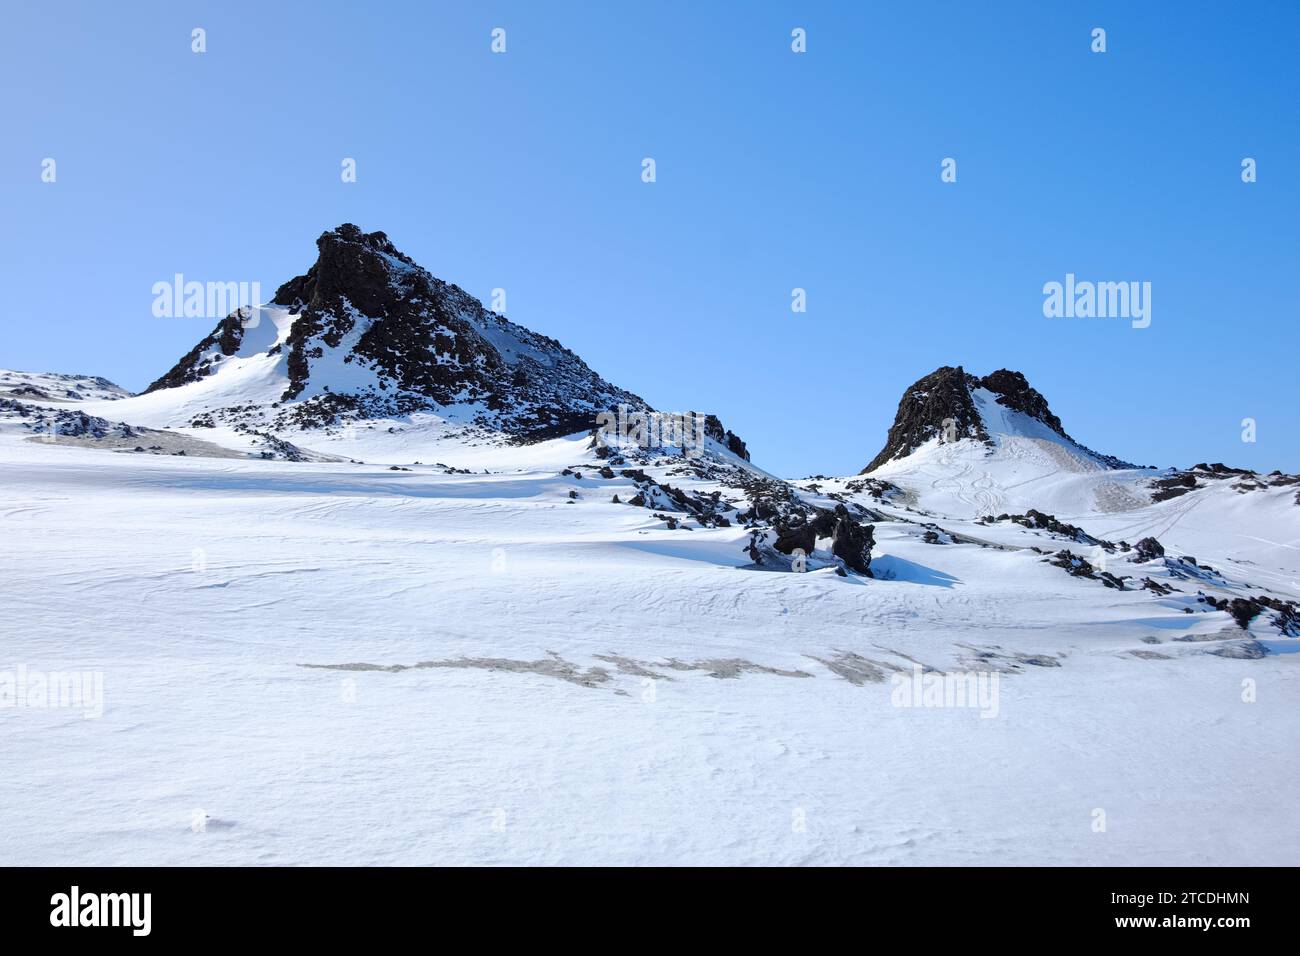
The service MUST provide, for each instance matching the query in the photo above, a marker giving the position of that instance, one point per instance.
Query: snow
(531, 731)
(59, 388)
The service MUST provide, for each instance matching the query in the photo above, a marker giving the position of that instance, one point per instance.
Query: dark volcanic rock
(944, 396)
(1014, 391)
(1244, 610)
(1044, 522)
(852, 542)
(785, 522)
(1202, 475)
(1171, 487)
(1148, 549)
(794, 535)
(713, 429)
(1081, 568)
(1219, 468)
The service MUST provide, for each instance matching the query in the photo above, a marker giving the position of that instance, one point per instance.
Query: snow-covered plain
(596, 688)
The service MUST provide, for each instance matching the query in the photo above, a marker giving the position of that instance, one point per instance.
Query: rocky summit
(365, 332)
(950, 405)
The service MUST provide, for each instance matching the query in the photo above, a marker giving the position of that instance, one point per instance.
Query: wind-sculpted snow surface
(486, 659)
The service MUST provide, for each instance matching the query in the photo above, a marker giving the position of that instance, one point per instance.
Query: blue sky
(774, 171)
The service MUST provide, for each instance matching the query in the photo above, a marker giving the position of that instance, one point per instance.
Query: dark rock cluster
(1148, 549)
(203, 359)
(708, 510)
(728, 439)
(1201, 475)
(944, 396)
(76, 424)
(278, 448)
(1081, 568)
(1014, 391)
(795, 525)
(852, 542)
(1038, 520)
(1244, 610)
(1172, 486)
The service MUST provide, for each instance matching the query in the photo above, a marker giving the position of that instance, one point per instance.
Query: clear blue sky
(775, 170)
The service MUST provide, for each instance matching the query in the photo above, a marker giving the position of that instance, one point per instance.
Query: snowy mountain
(1000, 410)
(369, 355)
(366, 333)
(971, 446)
(364, 560)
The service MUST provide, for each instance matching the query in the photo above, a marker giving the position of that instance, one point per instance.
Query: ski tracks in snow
(981, 493)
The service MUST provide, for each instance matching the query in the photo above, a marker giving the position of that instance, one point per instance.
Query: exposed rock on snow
(774, 689)
(553, 665)
(1081, 568)
(1202, 475)
(203, 359)
(1038, 520)
(1246, 609)
(940, 398)
(1148, 549)
(851, 542)
(56, 387)
(366, 333)
(945, 406)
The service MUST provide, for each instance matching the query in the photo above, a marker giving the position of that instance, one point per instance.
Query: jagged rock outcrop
(1148, 549)
(852, 542)
(942, 405)
(1082, 568)
(795, 533)
(725, 437)
(940, 397)
(1246, 609)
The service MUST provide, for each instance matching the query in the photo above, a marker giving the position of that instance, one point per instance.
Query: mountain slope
(366, 333)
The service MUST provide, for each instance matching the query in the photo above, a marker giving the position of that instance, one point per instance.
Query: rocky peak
(375, 335)
(364, 268)
(947, 395)
(943, 395)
